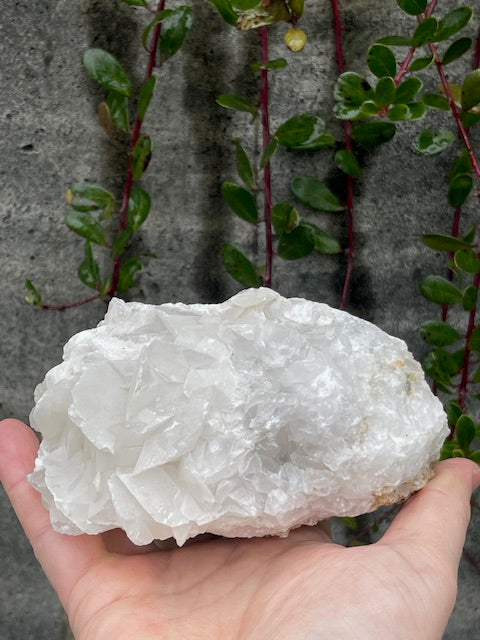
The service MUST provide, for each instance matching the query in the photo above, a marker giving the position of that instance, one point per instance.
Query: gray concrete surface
(51, 137)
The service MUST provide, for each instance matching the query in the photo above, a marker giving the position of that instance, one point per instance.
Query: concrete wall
(51, 137)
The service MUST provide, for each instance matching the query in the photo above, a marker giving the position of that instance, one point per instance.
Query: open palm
(300, 587)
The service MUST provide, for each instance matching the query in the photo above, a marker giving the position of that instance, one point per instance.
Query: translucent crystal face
(245, 418)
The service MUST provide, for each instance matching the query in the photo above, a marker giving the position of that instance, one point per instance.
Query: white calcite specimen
(245, 418)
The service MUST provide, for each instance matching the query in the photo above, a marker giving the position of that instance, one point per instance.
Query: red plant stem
(347, 129)
(476, 55)
(267, 180)
(455, 233)
(123, 215)
(455, 111)
(404, 66)
(408, 59)
(462, 389)
(69, 305)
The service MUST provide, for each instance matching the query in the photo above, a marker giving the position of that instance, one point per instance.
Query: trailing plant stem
(267, 180)
(462, 391)
(137, 128)
(455, 111)
(455, 233)
(347, 128)
(476, 55)
(69, 305)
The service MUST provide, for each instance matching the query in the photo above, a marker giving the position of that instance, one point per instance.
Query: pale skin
(303, 587)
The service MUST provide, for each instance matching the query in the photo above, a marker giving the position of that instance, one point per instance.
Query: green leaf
(315, 194)
(474, 341)
(470, 118)
(436, 101)
(456, 50)
(240, 201)
(381, 61)
(416, 110)
(458, 189)
(471, 90)
(348, 163)
(224, 8)
(465, 432)
(285, 218)
(89, 271)
(450, 449)
(121, 242)
(439, 333)
(128, 275)
(243, 5)
(413, 7)
(384, 91)
(398, 112)
(369, 108)
(425, 32)
(296, 244)
(421, 63)
(138, 207)
(271, 65)
(240, 267)
(467, 260)
(369, 133)
(244, 167)
(470, 236)
(407, 90)
(136, 3)
(453, 411)
(462, 164)
(33, 296)
(268, 153)
(118, 108)
(104, 69)
(469, 299)
(142, 152)
(475, 456)
(460, 182)
(453, 22)
(85, 196)
(323, 241)
(232, 101)
(433, 367)
(304, 132)
(395, 41)
(145, 97)
(451, 363)
(428, 143)
(350, 92)
(176, 23)
(440, 290)
(441, 242)
(85, 225)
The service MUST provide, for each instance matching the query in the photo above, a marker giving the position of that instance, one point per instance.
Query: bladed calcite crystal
(245, 418)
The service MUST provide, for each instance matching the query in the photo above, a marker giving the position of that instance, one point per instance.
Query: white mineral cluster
(245, 418)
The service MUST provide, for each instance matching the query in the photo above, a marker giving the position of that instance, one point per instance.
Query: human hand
(303, 587)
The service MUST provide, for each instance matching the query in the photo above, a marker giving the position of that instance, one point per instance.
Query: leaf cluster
(393, 97)
(295, 238)
(91, 206)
